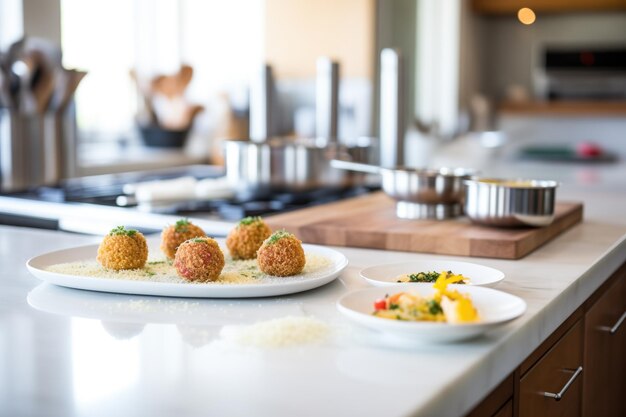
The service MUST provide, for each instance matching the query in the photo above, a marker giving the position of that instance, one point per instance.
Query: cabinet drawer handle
(561, 393)
(617, 325)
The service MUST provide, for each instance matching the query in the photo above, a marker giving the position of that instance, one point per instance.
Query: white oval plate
(289, 285)
(495, 308)
(386, 275)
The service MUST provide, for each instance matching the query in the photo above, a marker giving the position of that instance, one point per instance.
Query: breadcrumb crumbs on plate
(161, 270)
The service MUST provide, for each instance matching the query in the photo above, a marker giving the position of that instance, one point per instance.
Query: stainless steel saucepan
(282, 165)
(420, 193)
(510, 203)
(265, 164)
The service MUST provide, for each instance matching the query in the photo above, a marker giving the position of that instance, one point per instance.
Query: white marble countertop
(97, 354)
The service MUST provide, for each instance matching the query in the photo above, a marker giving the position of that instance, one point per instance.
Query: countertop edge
(474, 386)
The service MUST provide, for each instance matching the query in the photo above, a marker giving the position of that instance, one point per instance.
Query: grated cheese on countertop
(275, 333)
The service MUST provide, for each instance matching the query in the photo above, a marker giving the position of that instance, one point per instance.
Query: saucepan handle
(355, 166)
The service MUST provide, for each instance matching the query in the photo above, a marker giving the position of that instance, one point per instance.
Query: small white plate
(494, 307)
(279, 286)
(386, 275)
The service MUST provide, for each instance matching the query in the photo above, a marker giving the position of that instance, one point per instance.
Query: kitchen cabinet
(604, 380)
(547, 6)
(499, 403)
(553, 386)
(581, 365)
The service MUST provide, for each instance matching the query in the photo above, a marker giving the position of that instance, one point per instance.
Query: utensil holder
(36, 149)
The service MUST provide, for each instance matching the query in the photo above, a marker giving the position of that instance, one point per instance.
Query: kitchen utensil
(420, 193)
(172, 86)
(148, 115)
(370, 221)
(392, 125)
(191, 113)
(327, 101)
(262, 92)
(23, 69)
(510, 203)
(6, 95)
(266, 165)
(14, 152)
(60, 126)
(283, 165)
(173, 190)
(74, 77)
(42, 82)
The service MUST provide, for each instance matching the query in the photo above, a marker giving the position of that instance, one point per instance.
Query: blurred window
(221, 40)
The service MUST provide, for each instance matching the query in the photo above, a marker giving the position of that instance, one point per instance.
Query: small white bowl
(386, 275)
(494, 307)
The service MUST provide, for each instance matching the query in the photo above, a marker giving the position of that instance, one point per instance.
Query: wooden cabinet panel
(497, 402)
(604, 380)
(551, 374)
(585, 338)
(547, 6)
(506, 410)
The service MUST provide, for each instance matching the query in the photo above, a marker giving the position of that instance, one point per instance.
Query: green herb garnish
(424, 277)
(150, 273)
(199, 240)
(122, 231)
(181, 226)
(276, 236)
(427, 277)
(434, 307)
(246, 221)
(156, 262)
(394, 306)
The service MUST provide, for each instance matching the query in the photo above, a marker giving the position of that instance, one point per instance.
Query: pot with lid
(265, 164)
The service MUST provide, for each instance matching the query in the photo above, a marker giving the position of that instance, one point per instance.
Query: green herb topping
(199, 240)
(434, 307)
(246, 221)
(276, 236)
(427, 277)
(181, 225)
(122, 231)
(424, 277)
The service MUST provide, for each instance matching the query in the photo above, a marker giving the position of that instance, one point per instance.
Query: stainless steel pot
(266, 164)
(420, 193)
(510, 203)
(283, 165)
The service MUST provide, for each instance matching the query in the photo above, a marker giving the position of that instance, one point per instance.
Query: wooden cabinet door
(551, 374)
(604, 379)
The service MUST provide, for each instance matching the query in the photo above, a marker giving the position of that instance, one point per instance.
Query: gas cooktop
(105, 190)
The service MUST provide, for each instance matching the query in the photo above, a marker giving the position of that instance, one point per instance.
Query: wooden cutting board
(370, 222)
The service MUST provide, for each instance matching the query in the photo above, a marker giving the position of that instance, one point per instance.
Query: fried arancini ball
(199, 259)
(123, 249)
(281, 255)
(173, 236)
(247, 237)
